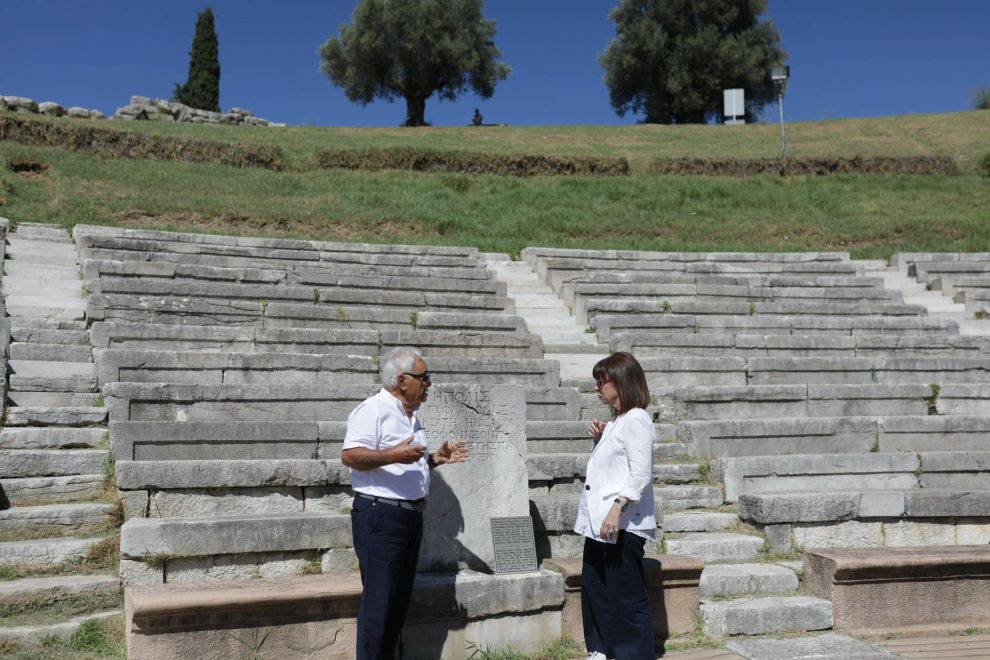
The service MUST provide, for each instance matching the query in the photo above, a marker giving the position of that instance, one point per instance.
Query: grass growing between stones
(102, 558)
(94, 640)
(564, 648)
(696, 639)
(46, 609)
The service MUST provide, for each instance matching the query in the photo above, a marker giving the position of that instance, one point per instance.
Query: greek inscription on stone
(515, 547)
(467, 415)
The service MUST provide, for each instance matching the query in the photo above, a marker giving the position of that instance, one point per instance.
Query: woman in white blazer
(616, 516)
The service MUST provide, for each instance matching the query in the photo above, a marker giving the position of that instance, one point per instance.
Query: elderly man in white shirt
(386, 450)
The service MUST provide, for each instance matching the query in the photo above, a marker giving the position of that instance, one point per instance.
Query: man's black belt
(412, 505)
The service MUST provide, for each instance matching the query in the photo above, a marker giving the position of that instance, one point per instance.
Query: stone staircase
(58, 542)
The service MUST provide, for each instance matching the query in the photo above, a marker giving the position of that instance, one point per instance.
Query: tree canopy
(413, 49)
(671, 59)
(202, 88)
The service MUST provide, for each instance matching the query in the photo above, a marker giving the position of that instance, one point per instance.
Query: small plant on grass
(258, 639)
(984, 165)
(341, 314)
(414, 319)
(665, 305)
(752, 309)
(110, 470)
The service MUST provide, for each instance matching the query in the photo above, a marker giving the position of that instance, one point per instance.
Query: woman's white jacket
(621, 464)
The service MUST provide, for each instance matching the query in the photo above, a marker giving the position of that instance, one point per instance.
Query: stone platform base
(882, 589)
(671, 582)
(312, 617)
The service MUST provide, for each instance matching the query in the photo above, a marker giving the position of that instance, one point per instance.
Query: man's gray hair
(399, 360)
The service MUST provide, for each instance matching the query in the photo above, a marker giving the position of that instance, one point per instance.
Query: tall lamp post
(779, 76)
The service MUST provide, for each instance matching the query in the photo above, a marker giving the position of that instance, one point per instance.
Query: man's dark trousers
(386, 540)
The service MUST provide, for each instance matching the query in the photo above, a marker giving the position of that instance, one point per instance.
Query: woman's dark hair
(623, 371)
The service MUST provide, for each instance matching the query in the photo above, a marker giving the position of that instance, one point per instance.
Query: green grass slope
(871, 216)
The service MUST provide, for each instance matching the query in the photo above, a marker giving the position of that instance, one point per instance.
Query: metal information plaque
(515, 547)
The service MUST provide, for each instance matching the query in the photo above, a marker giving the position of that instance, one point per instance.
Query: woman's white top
(621, 464)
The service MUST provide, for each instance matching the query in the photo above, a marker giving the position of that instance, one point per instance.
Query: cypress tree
(202, 88)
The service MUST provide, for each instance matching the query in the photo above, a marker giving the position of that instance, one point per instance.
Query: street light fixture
(779, 76)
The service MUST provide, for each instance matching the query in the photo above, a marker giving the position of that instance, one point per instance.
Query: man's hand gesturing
(451, 453)
(406, 452)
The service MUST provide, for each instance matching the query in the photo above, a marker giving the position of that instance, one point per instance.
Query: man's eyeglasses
(423, 377)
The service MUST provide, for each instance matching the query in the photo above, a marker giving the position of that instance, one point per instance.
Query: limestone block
(141, 572)
(237, 474)
(698, 521)
(51, 108)
(154, 441)
(239, 567)
(818, 646)
(972, 531)
(848, 534)
(52, 438)
(743, 579)
(718, 546)
(74, 416)
(881, 504)
(233, 535)
(761, 437)
(79, 113)
(135, 503)
(337, 499)
(934, 433)
(339, 561)
(914, 532)
(798, 507)
(766, 615)
(49, 462)
(224, 502)
(933, 503)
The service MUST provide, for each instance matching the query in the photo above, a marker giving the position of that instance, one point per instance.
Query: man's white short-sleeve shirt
(380, 422)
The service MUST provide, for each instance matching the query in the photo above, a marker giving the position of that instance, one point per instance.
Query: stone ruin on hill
(140, 108)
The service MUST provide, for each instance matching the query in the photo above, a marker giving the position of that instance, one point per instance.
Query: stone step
(46, 552)
(831, 645)
(51, 490)
(17, 463)
(678, 498)
(31, 269)
(672, 449)
(32, 335)
(50, 376)
(35, 635)
(698, 521)
(69, 289)
(716, 546)
(37, 324)
(37, 231)
(54, 400)
(50, 352)
(22, 308)
(30, 594)
(746, 579)
(41, 252)
(761, 616)
(53, 520)
(77, 416)
(53, 438)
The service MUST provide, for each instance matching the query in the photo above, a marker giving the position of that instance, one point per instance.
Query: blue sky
(848, 58)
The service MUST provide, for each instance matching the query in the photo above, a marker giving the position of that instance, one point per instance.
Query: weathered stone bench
(215, 368)
(756, 475)
(397, 279)
(314, 616)
(165, 402)
(569, 286)
(681, 344)
(934, 433)
(608, 325)
(325, 295)
(671, 582)
(880, 369)
(869, 518)
(778, 436)
(168, 337)
(592, 299)
(260, 313)
(902, 590)
(768, 401)
(129, 263)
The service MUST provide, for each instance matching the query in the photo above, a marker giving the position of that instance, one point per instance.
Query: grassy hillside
(871, 216)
